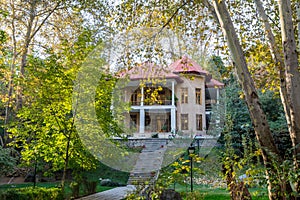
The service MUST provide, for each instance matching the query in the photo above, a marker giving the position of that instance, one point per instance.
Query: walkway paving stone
(113, 194)
(148, 163)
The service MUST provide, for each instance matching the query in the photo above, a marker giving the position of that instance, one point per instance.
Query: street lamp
(191, 150)
(198, 138)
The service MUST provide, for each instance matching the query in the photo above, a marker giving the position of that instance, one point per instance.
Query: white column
(173, 120)
(218, 95)
(142, 120)
(173, 93)
(142, 96)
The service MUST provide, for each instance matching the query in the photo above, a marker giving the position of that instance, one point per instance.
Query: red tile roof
(184, 65)
(149, 71)
(214, 83)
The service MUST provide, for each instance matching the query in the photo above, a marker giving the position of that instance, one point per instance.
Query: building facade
(168, 101)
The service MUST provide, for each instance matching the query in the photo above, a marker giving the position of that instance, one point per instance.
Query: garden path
(117, 193)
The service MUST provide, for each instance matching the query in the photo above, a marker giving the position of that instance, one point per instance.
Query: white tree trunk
(298, 23)
(258, 117)
(277, 57)
(292, 74)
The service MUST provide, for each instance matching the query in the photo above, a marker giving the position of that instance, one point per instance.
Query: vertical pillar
(173, 93)
(218, 95)
(142, 96)
(173, 120)
(142, 120)
(173, 109)
(218, 102)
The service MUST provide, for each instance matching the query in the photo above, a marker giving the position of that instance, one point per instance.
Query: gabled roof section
(149, 70)
(186, 65)
(214, 83)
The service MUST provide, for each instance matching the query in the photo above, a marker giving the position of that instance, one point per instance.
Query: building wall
(191, 82)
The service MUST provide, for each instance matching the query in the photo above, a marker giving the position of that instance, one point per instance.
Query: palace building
(168, 101)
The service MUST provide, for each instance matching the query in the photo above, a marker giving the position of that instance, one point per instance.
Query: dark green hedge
(32, 194)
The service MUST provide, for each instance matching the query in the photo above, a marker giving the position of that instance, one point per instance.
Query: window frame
(198, 96)
(184, 124)
(199, 122)
(184, 95)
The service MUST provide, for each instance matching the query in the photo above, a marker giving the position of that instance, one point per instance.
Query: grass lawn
(102, 171)
(211, 193)
(30, 184)
(68, 191)
(105, 172)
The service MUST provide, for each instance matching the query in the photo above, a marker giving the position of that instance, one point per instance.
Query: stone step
(153, 145)
(149, 162)
(141, 178)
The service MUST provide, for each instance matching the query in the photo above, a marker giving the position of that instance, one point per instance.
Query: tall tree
(33, 27)
(292, 75)
(45, 127)
(291, 70)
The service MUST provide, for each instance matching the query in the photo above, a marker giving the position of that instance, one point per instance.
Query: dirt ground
(11, 180)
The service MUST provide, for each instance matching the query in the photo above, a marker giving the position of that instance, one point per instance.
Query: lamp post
(198, 138)
(191, 150)
(34, 173)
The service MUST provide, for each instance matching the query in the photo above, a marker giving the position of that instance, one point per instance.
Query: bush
(7, 162)
(32, 194)
(112, 184)
(195, 195)
(90, 187)
(75, 189)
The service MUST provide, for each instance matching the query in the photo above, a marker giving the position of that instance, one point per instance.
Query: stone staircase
(149, 163)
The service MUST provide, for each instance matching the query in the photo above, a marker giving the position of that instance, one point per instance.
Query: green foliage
(238, 122)
(273, 108)
(90, 187)
(101, 171)
(179, 171)
(44, 130)
(281, 175)
(241, 155)
(70, 188)
(195, 195)
(241, 171)
(237, 119)
(7, 161)
(75, 187)
(3, 36)
(108, 122)
(32, 194)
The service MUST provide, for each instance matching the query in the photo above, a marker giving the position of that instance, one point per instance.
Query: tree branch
(211, 10)
(170, 19)
(44, 20)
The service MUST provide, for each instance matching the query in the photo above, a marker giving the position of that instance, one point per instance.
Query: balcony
(209, 103)
(150, 103)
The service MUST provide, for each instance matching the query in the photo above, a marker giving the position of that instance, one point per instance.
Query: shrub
(195, 195)
(75, 189)
(154, 135)
(32, 194)
(90, 187)
(7, 162)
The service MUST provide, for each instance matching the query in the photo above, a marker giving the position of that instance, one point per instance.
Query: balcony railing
(209, 103)
(147, 103)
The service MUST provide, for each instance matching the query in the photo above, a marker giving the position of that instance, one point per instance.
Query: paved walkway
(149, 161)
(113, 194)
